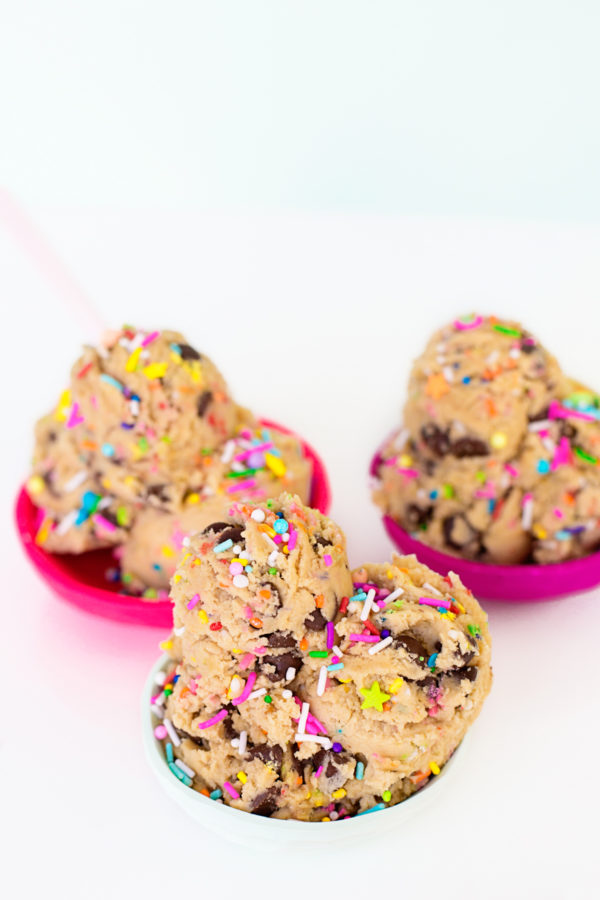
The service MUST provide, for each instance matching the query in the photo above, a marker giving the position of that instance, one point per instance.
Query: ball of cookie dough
(272, 569)
(257, 463)
(151, 406)
(411, 673)
(476, 387)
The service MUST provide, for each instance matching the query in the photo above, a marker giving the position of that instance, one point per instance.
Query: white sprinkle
(271, 544)
(228, 451)
(375, 648)
(184, 768)
(448, 373)
(272, 558)
(453, 634)
(430, 587)
(390, 597)
(527, 515)
(179, 631)
(337, 652)
(291, 673)
(171, 732)
(159, 713)
(235, 742)
(106, 501)
(367, 605)
(134, 408)
(160, 678)
(75, 481)
(236, 550)
(400, 439)
(186, 542)
(67, 522)
(258, 515)
(549, 444)
(257, 693)
(322, 681)
(243, 742)
(160, 701)
(240, 581)
(539, 426)
(287, 694)
(315, 738)
(303, 718)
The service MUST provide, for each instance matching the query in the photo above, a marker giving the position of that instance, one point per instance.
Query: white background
(293, 186)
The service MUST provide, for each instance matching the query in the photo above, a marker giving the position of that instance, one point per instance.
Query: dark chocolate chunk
(270, 754)
(315, 621)
(460, 672)
(266, 804)
(230, 732)
(436, 439)
(459, 534)
(280, 639)
(160, 491)
(321, 541)
(225, 530)
(416, 516)
(468, 446)
(185, 735)
(203, 402)
(540, 416)
(281, 663)
(216, 527)
(188, 352)
(567, 430)
(413, 646)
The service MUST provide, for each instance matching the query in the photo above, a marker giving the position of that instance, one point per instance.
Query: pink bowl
(80, 579)
(514, 584)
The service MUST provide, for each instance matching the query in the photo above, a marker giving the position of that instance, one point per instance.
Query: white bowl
(258, 831)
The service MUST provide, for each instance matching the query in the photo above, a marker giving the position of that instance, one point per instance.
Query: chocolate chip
(216, 527)
(436, 439)
(413, 646)
(416, 516)
(539, 416)
(281, 663)
(188, 352)
(266, 804)
(459, 534)
(203, 402)
(230, 732)
(567, 430)
(226, 531)
(467, 656)
(280, 639)
(315, 621)
(269, 754)
(160, 491)
(468, 446)
(185, 735)
(460, 672)
(321, 541)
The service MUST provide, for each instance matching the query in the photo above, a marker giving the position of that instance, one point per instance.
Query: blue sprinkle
(280, 526)
(224, 545)
(433, 495)
(108, 449)
(442, 610)
(110, 380)
(543, 466)
(169, 751)
(431, 660)
(563, 535)
(359, 772)
(180, 774)
(176, 348)
(466, 379)
(127, 425)
(247, 568)
(386, 632)
(491, 505)
(375, 808)
(156, 567)
(335, 666)
(90, 501)
(360, 597)
(82, 515)
(216, 795)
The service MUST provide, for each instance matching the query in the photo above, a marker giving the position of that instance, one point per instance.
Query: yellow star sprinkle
(374, 697)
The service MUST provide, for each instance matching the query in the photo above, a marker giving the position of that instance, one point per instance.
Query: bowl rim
(52, 573)
(294, 827)
(573, 566)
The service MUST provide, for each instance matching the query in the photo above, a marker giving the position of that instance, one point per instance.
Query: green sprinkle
(241, 474)
(481, 477)
(143, 444)
(166, 438)
(448, 491)
(474, 630)
(319, 654)
(273, 572)
(269, 503)
(126, 578)
(267, 698)
(582, 454)
(122, 516)
(206, 452)
(398, 604)
(512, 332)
(387, 796)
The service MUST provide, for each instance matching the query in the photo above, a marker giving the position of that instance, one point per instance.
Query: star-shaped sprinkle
(374, 697)
(436, 386)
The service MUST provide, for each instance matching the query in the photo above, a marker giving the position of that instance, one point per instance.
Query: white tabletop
(314, 321)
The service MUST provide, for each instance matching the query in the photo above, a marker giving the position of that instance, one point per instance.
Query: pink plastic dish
(80, 579)
(513, 584)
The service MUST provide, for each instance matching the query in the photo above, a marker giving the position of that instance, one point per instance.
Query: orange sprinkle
(256, 622)
(319, 601)
(304, 644)
(436, 386)
(491, 407)
(265, 594)
(89, 445)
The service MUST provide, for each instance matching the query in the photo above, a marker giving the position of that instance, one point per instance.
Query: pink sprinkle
(231, 790)
(312, 720)
(429, 601)
(292, 539)
(149, 338)
(103, 523)
(558, 513)
(209, 722)
(330, 635)
(74, 417)
(511, 470)
(366, 638)
(277, 538)
(335, 659)
(246, 661)
(194, 601)
(409, 473)
(256, 449)
(381, 603)
(246, 434)
(327, 559)
(160, 732)
(562, 454)
(467, 326)
(556, 411)
(236, 568)
(247, 690)
(193, 685)
(248, 612)
(318, 772)
(241, 486)
(527, 498)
